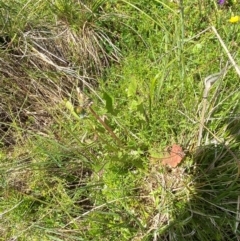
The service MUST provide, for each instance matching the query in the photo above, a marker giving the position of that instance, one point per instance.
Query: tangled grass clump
(60, 46)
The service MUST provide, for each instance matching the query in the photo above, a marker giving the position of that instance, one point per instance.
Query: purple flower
(221, 2)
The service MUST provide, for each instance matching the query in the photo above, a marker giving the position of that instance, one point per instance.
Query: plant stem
(108, 128)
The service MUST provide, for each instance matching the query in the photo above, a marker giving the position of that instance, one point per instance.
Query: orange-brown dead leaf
(174, 156)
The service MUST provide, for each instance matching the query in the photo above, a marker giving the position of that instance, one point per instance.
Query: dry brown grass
(41, 64)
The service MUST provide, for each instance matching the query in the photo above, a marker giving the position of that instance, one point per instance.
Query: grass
(93, 95)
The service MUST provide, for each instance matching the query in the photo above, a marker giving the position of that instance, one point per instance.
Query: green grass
(93, 94)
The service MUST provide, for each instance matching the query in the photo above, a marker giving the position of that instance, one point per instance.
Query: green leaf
(70, 107)
(132, 88)
(109, 102)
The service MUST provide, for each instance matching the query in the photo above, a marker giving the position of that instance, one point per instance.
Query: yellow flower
(234, 19)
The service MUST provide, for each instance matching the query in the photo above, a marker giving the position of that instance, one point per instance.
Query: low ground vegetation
(95, 98)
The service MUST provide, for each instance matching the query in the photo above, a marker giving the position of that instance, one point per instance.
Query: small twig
(193, 121)
(94, 209)
(208, 82)
(197, 35)
(9, 210)
(227, 52)
(237, 215)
